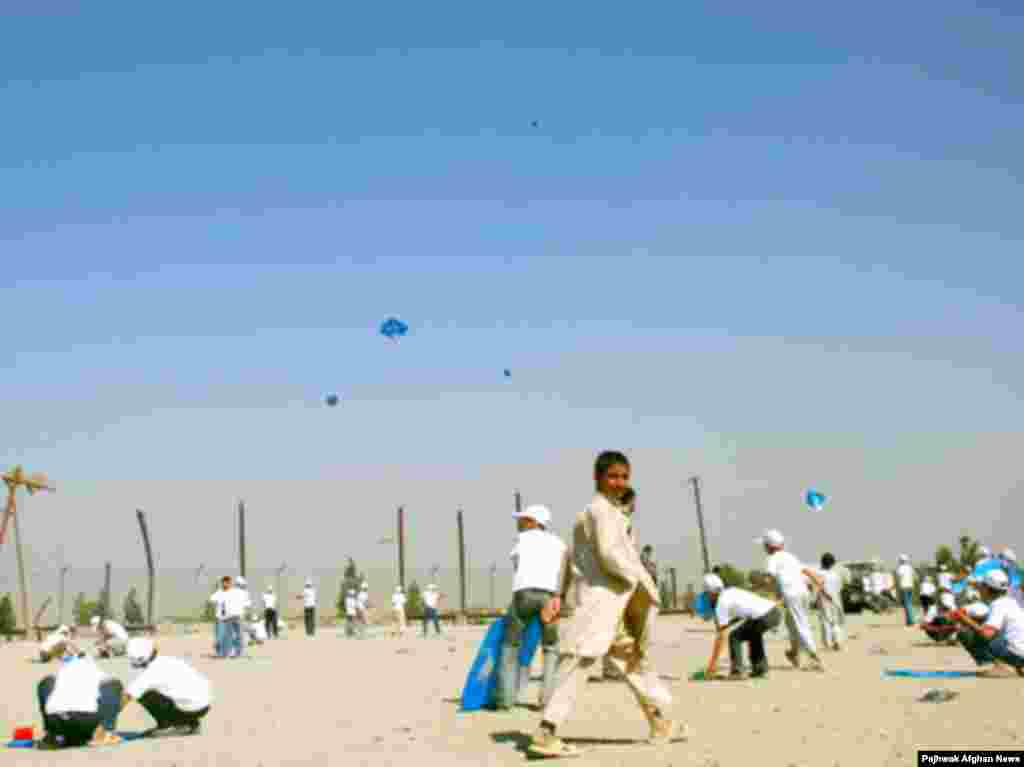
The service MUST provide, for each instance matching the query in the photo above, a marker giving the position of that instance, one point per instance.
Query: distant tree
(352, 579)
(968, 551)
(83, 609)
(8, 623)
(732, 576)
(104, 608)
(665, 594)
(414, 601)
(132, 609)
(209, 612)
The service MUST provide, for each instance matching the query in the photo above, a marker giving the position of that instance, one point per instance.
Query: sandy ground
(381, 701)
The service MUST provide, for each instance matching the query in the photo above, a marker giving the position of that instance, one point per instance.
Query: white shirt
(398, 600)
(431, 598)
(230, 603)
(927, 589)
(270, 600)
(1006, 617)
(114, 630)
(364, 599)
(945, 581)
(77, 688)
(833, 585)
(351, 605)
(739, 603)
(258, 630)
(877, 583)
(538, 558)
(309, 596)
(174, 679)
(787, 571)
(906, 575)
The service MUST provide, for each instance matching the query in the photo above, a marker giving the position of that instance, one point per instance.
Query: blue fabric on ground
(910, 673)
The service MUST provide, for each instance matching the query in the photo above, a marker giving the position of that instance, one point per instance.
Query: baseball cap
(947, 601)
(1009, 555)
(713, 583)
(539, 514)
(771, 538)
(139, 651)
(996, 580)
(904, 558)
(94, 621)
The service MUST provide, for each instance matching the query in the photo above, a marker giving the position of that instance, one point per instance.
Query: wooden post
(149, 565)
(35, 623)
(241, 538)
(700, 524)
(519, 502)
(675, 585)
(22, 577)
(105, 607)
(462, 562)
(401, 547)
(60, 604)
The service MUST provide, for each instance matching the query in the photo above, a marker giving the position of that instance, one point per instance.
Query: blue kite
(815, 500)
(332, 400)
(393, 328)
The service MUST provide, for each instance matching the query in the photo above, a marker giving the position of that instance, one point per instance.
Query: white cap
(713, 583)
(977, 611)
(539, 514)
(947, 600)
(94, 621)
(904, 558)
(431, 587)
(398, 588)
(943, 568)
(270, 589)
(771, 538)
(309, 581)
(1008, 555)
(139, 651)
(985, 551)
(996, 580)
(240, 580)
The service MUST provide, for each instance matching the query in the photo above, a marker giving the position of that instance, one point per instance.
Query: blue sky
(778, 246)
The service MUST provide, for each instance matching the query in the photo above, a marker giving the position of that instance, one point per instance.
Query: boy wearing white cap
(431, 599)
(791, 579)
(997, 644)
(270, 612)
(113, 638)
(351, 612)
(906, 578)
(172, 692)
(398, 610)
(749, 616)
(308, 597)
(539, 559)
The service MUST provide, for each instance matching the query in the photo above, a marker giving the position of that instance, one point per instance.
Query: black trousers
(166, 714)
(310, 614)
(76, 728)
(752, 632)
(926, 602)
(270, 623)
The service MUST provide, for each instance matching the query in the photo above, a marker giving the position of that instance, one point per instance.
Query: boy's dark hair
(827, 561)
(607, 459)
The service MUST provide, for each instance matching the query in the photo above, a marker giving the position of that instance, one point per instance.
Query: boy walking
(431, 598)
(398, 610)
(830, 604)
(612, 585)
(539, 559)
(270, 612)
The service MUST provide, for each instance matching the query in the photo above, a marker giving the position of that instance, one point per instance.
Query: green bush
(8, 623)
(83, 609)
(414, 601)
(132, 609)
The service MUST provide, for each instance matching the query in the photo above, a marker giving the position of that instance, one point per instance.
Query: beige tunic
(611, 584)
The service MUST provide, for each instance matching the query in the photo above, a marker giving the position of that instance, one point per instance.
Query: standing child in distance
(830, 604)
(539, 559)
(398, 610)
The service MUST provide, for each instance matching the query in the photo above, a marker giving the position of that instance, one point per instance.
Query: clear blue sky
(778, 245)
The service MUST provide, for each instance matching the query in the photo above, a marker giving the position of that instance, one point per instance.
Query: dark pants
(430, 615)
(270, 623)
(166, 714)
(310, 614)
(926, 603)
(77, 728)
(752, 632)
(526, 605)
(986, 651)
(907, 598)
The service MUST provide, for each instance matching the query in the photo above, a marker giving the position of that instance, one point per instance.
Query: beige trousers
(399, 620)
(573, 672)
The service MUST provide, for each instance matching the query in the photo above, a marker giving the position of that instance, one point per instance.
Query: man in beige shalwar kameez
(612, 585)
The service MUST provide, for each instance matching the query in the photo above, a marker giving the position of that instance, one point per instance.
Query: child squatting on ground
(746, 617)
(612, 585)
(539, 560)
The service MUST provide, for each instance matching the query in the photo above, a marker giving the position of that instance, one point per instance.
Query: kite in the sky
(508, 373)
(332, 400)
(393, 328)
(815, 500)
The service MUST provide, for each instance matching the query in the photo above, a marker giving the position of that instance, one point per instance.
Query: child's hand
(550, 612)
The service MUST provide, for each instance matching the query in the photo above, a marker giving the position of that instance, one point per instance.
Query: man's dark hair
(827, 561)
(607, 459)
(648, 549)
(717, 569)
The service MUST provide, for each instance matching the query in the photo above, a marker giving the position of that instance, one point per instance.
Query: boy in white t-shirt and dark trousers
(172, 692)
(540, 560)
(308, 598)
(398, 610)
(755, 615)
(905, 580)
(997, 645)
(791, 579)
(79, 705)
(431, 599)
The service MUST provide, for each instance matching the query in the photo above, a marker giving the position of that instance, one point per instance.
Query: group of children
(80, 703)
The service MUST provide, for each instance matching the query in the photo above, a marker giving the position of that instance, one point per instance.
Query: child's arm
(617, 556)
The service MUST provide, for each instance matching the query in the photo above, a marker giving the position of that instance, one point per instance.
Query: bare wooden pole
(401, 547)
(241, 538)
(700, 524)
(105, 607)
(149, 564)
(22, 576)
(462, 562)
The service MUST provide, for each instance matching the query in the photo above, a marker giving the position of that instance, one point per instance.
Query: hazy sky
(778, 246)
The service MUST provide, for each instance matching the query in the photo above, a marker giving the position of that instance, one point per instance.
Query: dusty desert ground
(381, 701)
